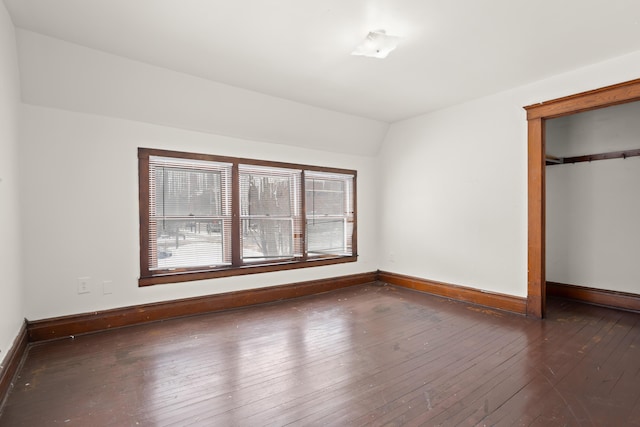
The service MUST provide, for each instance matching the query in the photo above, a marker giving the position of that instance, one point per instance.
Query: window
(189, 210)
(270, 213)
(329, 213)
(204, 216)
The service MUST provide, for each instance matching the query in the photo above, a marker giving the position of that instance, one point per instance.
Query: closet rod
(592, 157)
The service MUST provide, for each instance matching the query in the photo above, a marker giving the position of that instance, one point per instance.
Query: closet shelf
(553, 160)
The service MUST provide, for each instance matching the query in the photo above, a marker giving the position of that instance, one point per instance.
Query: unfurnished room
(340, 213)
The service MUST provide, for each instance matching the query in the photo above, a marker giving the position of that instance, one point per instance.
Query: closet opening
(537, 117)
(592, 205)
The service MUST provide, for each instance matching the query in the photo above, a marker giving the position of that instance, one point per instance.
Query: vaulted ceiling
(450, 50)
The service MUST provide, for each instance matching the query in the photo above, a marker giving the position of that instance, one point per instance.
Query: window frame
(150, 276)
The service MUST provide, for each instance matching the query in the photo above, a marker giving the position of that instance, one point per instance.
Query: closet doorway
(593, 205)
(537, 115)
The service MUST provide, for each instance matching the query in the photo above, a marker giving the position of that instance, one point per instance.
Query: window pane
(329, 208)
(189, 243)
(265, 195)
(326, 236)
(184, 192)
(267, 238)
(190, 213)
(324, 197)
(270, 206)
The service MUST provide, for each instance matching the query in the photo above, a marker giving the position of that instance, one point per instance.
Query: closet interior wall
(592, 208)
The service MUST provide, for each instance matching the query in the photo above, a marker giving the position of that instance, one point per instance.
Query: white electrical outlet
(84, 285)
(107, 287)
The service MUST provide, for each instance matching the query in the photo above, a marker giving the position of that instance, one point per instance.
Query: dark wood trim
(61, 327)
(603, 297)
(460, 293)
(239, 160)
(536, 220)
(11, 362)
(354, 237)
(600, 156)
(236, 246)
(303, 214)
(536, 115)
(143, 209)
(240, 271)
(585, 101)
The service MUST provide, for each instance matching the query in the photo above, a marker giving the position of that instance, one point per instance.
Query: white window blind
(190, 213)
(270, 212)
(330, 213)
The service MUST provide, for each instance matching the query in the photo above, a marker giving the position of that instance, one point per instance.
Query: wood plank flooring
(365, 355)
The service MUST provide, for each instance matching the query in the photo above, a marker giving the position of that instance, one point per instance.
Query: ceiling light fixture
(377, 44)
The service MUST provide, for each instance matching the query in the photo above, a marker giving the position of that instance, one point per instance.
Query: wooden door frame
(537, 114)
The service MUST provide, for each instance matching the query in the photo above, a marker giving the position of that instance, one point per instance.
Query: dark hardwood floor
(365, 355)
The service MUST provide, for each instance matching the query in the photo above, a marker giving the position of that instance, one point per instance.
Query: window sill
(177, 277)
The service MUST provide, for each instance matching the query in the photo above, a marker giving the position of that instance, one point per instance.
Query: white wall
(72, 77)
(453, 200)
(593, 232)
(454, 184)
(11, 307)
(615, 128)
(80, 209)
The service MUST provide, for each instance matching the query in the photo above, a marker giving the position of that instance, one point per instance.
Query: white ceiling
(451, 50)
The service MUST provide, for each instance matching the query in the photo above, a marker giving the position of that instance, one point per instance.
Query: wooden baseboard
(613, 299)
(61, 327)
(461, 293)
(11, 362)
